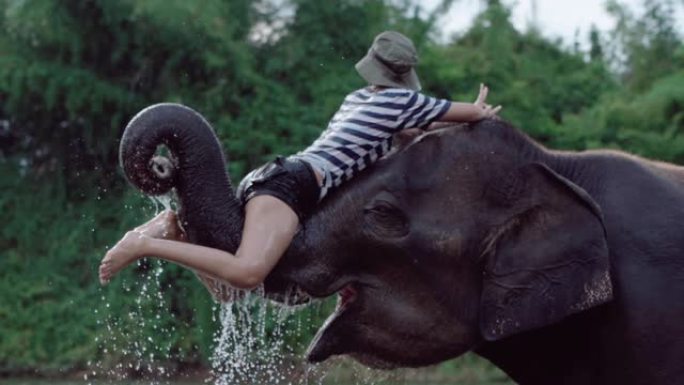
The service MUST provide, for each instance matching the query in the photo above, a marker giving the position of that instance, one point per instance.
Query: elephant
(559, 267)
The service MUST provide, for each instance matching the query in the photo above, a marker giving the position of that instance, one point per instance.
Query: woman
(282, 193)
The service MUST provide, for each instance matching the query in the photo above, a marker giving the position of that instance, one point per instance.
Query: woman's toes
(120, 256)
(105, 269)
(104, 277)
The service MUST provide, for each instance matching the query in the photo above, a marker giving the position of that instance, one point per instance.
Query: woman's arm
(457, 112)
(467, 112)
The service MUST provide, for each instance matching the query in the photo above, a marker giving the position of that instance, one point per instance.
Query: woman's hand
(470, 112)
(486, 110)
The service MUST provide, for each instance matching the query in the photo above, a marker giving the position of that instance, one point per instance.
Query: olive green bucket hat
(390, 62)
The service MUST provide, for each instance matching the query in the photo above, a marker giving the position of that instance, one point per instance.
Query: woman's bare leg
(270, 225)
(166, 226)
(163, 226)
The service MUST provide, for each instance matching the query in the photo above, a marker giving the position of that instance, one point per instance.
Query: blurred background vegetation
(268, 74)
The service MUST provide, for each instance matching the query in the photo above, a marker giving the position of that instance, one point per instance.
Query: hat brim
(376, 73)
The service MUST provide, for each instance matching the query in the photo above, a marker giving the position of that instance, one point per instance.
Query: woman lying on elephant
(281, 194)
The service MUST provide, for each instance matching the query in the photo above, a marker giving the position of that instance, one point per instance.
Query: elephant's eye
(381, 208)
(383, 219)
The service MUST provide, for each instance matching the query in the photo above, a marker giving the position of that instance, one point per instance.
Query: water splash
(125, 334)
(163, 202)
(125, 337)
(251, 348)
(254, 342)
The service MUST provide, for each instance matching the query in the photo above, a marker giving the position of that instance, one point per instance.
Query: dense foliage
(268, 75)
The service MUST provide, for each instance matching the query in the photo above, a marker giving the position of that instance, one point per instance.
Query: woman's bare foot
(163, 226)
(125, 252)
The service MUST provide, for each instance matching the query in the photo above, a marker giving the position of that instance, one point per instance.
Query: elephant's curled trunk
(196, 168)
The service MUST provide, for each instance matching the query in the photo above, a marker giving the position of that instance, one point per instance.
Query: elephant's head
(464, 236)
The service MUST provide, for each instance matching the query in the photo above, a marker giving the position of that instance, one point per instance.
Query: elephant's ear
(548, 260)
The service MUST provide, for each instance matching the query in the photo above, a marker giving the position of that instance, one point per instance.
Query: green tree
(71, 74)
(521, 69)
(648, 46)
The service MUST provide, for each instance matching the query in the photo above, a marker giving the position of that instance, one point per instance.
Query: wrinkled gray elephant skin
(559, 267)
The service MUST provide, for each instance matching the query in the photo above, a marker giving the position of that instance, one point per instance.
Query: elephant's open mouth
(328, 340)
(346, 297)
(334, 336)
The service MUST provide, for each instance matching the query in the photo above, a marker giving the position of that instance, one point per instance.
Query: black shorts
(293, 181)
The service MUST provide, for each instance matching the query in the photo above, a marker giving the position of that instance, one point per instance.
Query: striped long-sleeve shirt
(361, 131)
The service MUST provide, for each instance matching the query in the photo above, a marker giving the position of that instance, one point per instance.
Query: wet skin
(559, 267)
